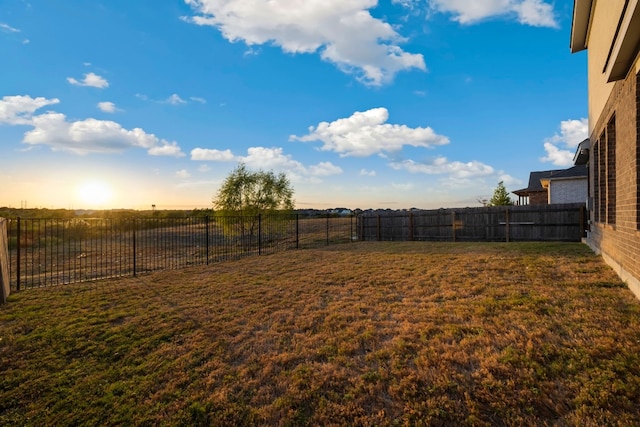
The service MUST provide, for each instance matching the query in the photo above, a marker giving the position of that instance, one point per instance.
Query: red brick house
(610, 32)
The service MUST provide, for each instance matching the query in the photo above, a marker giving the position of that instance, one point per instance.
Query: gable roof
(536, 178)
(534, 181)
(579, 171)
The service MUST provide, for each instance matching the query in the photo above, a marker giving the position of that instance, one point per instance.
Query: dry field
(356, 334)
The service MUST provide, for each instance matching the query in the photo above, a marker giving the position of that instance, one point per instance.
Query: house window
(602, 178)
(611, 171)
(596, 181)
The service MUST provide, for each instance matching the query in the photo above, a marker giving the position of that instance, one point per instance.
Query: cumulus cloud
(268, 159)
(92, 136)
(365, 172)
(367, 133)
(342, 32)
(274, 158)
(107, 107)
(19, 109)
(207, 154)
(537, 13)
(442, 166)
(166, 149)
(560, 148)
(90, 79)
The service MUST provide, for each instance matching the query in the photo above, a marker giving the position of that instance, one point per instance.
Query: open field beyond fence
(413, 333)
(45, 252)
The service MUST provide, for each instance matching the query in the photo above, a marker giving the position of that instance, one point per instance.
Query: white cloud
(90, 136)
(198, 99)
(18, 110)
(206, 154)
(90, 79)
(342, 32)
(175, 100)
(183, 174)
(166, 149)
(268, 159)
(537, 13)
(107, 107)
(204, 168)
(273, 158)
(560, 148)
(365, 172)
(8, 28)
(367, 133)
(442, 166)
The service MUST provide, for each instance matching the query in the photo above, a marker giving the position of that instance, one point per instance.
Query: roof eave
(580, 24)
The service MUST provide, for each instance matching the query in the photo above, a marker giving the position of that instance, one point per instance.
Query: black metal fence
(45, 252)
(563, 222)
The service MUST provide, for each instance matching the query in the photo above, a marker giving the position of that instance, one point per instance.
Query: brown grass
(356, 334)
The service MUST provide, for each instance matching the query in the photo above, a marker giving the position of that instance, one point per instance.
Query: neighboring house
(535, 193)
(610, 31)
(567, 186)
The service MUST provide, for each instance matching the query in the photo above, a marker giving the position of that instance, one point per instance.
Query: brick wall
(568, 191)
(538, 198)
(614, 178)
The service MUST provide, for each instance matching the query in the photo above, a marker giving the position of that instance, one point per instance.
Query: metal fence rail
(44, 252)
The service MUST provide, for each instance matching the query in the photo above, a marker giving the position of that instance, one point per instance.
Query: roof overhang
(580, 25)
(582, 153)
(626, 43)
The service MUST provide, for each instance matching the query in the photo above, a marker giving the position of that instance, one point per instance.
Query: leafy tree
(246, 192)
(500, 196)
(245, 195)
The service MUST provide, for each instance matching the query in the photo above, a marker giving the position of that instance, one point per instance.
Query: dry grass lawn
(354, 334)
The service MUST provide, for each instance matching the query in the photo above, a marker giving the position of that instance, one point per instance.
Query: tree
(247, 193)
(500, 196)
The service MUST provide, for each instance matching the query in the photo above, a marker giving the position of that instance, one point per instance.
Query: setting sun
(93, 194)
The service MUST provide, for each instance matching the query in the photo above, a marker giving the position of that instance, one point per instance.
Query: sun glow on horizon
(94, 194)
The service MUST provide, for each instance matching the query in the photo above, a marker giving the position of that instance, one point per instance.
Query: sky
(363, 104)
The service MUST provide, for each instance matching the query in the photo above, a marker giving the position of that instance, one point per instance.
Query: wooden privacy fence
(562, 222)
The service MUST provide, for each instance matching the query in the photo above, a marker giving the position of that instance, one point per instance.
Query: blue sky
(363, 103)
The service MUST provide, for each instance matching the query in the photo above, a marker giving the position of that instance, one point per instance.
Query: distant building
(610, 30)
(568, 186)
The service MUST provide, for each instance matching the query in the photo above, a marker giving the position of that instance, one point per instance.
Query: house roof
(580, 24)
(626, 40)
(579, 171)
(534, 181)
(582, 153)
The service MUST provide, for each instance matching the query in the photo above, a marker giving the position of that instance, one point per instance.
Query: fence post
(297, 231)
(18, 253)
(134, 246)
(453, 225)
(351, 228)
(206, 239)
(411, 226)
(506, 224)
(327, 229)
(5, 286)
(378, 229)
(259, 234)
